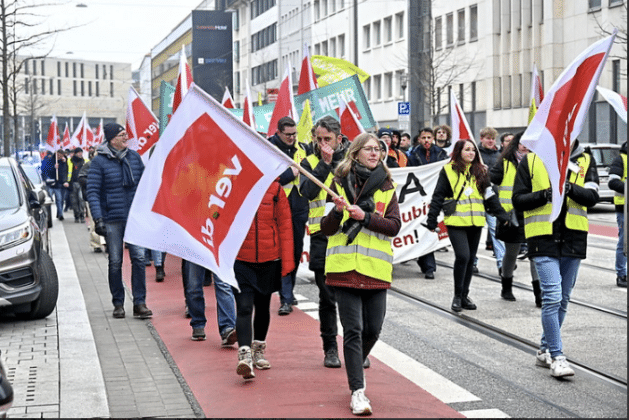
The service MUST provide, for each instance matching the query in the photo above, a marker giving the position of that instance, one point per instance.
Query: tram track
(503, 336)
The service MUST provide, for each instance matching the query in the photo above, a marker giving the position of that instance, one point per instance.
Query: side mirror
(33, 200)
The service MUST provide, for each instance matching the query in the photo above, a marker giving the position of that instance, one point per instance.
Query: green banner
(166, 95)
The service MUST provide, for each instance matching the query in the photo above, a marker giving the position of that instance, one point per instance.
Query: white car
(34, 174)
(604, 154)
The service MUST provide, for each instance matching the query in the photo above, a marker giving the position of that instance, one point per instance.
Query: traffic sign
(403, 108)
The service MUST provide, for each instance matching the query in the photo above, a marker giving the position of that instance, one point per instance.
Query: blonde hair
(351, 156)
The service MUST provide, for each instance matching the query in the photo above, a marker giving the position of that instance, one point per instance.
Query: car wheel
(47, 300)
(49, 211)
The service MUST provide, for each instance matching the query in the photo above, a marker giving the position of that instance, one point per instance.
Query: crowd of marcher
(351, 215)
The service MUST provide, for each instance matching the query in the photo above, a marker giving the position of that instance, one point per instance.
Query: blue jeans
(195, 299)
(115, 234)
(155, 256)
(499, 246)
(621, 258)
(557, 278)
(60, 195)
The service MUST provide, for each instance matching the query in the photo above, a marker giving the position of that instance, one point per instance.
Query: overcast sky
(117, 30)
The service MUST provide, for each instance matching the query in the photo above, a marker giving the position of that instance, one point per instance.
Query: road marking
(492, 413)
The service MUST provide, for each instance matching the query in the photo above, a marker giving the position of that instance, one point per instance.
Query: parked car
(28, 278)
(33, 173)
(6, 393)
(604, 154)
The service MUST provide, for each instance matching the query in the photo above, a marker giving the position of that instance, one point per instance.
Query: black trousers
(327, 312)
(465, 244)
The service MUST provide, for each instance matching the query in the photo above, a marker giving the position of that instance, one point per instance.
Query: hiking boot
(285, 309)
(118, 311)
(543, 359)
(198, 334)
(245, 363)
(331, 359)
(560, 367)
(159, 273)
(257, 353)
(141, 311)
(228, 337)
(360, 404)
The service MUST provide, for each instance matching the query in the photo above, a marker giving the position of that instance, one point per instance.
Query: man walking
(112, 180)
(76, 195)
(56, 176)
(617, 180)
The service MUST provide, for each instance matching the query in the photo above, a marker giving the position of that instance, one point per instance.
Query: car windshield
(8, 190)
(33, 174)
(31, 158)
(605, 157)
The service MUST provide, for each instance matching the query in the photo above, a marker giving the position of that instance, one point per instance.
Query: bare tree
(606, 28)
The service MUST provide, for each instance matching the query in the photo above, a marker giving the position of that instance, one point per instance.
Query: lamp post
(403, 84)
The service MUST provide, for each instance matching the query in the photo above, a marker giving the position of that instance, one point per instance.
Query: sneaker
(331, 359)
(198, 334)
(285, 309)
(228, 337)
(560, 367)
(118, 312)
(360, 404)
(257, 353)
(245, 363)
(141, 311)
(543, 359)
(621, 281)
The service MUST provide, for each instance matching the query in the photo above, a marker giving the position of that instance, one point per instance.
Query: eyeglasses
(372, 149)
(289, 134)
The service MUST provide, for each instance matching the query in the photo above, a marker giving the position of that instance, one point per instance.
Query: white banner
(415, 186)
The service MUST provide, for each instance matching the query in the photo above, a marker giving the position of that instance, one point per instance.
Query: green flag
(166, 95)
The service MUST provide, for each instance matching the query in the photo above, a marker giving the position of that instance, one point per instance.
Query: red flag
(247, 115)
(616, 100)
(67, 141)
(53, 142)
(83, 136)
(284, 107)
(202, 186)
(142, 124)
(560, 117)
(183, 80)
(228, 101)
(458, 122)
(350, 126)
(100, 134)
(307, 77)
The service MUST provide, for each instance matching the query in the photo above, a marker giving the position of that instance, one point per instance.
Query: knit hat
(77, 150)
(385, 132)
(111, 130)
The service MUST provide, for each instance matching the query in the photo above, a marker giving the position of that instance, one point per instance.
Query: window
(449, 29)
(89, 88)
(237, 51)
(333, 6)
(367, 89)
(460, 37)
(34, 86)
(473, 23)
(398, 76)
(82, 88)
(324, 3)
(260, 6)
(82, 71)
(507, 15)
(58, 68)
(377, 39)
(473, 95)
(333, 47)
(324, 48)
(317, 49)
(74, 87)
(517, 92)
(104, 71)
(399, 24)
(34, 68)
(264, 72)
(388, 30)
(96, 87)
(366, 36)
(506, 91)
(51, 88)
(111, 89)
(67, 72)
(237, 82)
(614, 2)
(616, 75)
(26, 86)
(388, 85)
(43, 68)
(377, 87)
(73, 69)
(264, 38)
(59, 87)
(341, 43)
(594, 4)
(438, 32)
(497, 92)
(462, 96)
(96, 71)
(26, 67)
(317, 10)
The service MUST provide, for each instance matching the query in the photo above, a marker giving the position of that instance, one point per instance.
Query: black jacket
(298, 204)
(490, 156)
(50, 173)
(563, 242)
(617, 169)
(418, 155)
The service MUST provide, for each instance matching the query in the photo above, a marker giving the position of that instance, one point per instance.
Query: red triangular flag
(184, 80)
(350, 126)
(67, 140)
(247, 115)
(83, 136)
(458, 122)
(616, 100)
(53, 142)
(228, 101)
(142, 124)
(307, 77)
(284, 107)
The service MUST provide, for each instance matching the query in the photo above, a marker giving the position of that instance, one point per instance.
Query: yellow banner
(331, 70)
(304, 127)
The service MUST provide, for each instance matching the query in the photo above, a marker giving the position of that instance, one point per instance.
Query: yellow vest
(505, 190)
(619, 198)
(537, 221)
(370, 253)
(317, 205)
(300, 154)
(470, 210)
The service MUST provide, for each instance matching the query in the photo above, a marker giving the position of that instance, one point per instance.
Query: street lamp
(403, 84)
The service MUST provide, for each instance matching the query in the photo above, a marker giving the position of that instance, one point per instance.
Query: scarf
(127, 174)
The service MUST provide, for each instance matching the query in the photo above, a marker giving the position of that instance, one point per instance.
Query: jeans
(362, 315)
(557, 278)
(499, 246)
(115, 234)
(76, 198)
(427, 263)
(465, 244)
(327, 312)
(60, 195)
(621, 258)
(156, 256)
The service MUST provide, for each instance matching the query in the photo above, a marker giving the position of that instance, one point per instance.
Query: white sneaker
(360, 403)
(543, 359)
(560, 367)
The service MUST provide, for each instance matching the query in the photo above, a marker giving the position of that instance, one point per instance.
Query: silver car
(604, 154)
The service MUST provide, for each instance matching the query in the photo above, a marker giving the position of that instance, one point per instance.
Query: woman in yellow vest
(465, 179)
(557, 247)
(503, 175)
(359, 256)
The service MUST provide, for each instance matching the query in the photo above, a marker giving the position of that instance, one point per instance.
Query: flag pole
(316, 181)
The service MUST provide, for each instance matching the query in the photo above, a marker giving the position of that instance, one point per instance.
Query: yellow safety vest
(505, 190)
(316, 206)
(537, 221)
(370, 253)
(619, 198)
(300, 154)
(470, 210)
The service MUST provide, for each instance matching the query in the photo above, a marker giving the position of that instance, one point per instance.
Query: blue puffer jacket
(107, 195)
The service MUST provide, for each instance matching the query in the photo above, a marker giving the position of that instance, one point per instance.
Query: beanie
(111, 130)
(385, 132)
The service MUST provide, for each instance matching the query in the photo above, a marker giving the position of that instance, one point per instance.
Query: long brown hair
(477, 169)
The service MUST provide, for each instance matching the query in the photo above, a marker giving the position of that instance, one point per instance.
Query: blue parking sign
(403, 108)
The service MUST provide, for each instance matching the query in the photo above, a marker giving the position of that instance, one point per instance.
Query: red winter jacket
(270, 236)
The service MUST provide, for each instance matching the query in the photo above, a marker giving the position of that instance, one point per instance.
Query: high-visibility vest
(619, 198)
(537, 221)
(470, 210)
(316, 206)
(505, 190)
(299, 155)
(370, 253)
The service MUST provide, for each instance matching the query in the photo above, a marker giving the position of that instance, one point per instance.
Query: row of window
(596, 4)
(460, 32)
(323, 8)
(260, 6)
(264, 38)
(264, 72)
(333, 47)
(31, 87)
(30, 66)
(382, 31)
(387, 86)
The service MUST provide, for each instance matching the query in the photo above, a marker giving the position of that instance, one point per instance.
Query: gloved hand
(567, 188)
(548, 194)
(99, 227)
(431, 225)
